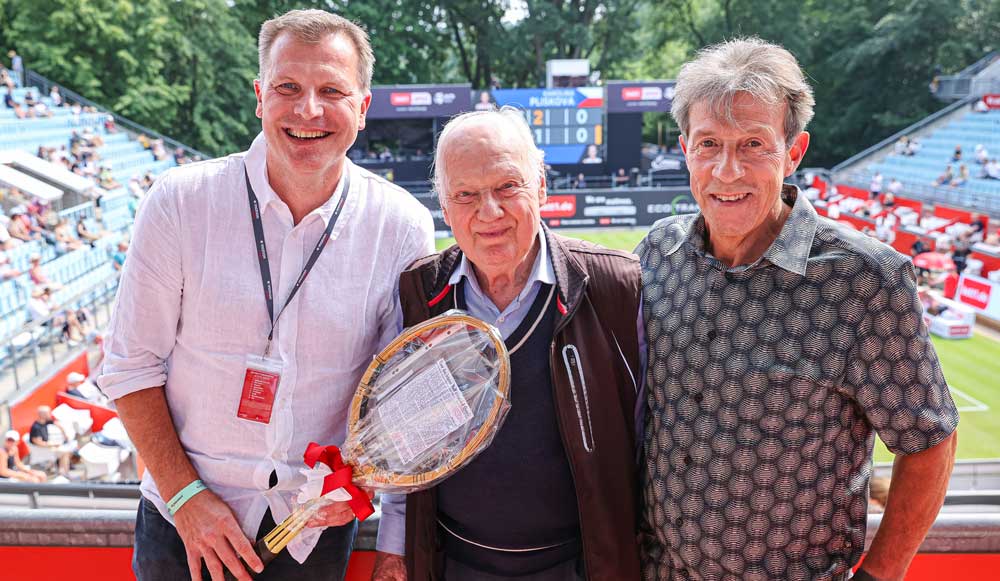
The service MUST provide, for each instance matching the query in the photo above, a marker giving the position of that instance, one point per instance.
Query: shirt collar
(256, 163)
(541, 271)
(790, 250)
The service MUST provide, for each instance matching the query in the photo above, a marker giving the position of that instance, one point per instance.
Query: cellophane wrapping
(435, 404)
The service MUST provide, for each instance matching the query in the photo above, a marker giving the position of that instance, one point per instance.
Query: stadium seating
(936, 152)
(81, 270)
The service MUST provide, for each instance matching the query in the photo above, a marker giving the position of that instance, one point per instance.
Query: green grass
(970, 365)
(620, 239)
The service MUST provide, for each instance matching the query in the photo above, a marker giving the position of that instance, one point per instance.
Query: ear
(542, 188)
(796, 153)
(365, 103)
(260, 105)
(444, 211)
(683, 143)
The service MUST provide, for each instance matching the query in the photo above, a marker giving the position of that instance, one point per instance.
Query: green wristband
(185, 494)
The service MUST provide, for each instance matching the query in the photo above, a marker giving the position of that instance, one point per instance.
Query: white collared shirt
(191, 306)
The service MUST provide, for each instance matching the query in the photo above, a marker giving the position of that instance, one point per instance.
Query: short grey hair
(765, 71)
(312, 26)
(506, 119)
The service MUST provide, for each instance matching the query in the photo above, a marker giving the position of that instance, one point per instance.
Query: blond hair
(312, 26)
(765, 71)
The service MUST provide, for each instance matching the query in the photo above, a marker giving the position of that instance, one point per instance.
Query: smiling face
(492, 193)
(310, 104)
(737, 170)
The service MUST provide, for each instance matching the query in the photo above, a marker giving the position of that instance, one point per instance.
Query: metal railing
(981, 202)
(889, 141)
(24, 349)
(44, 85)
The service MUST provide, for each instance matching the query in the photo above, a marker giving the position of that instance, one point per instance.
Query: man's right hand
(389, 567)
(211, 533)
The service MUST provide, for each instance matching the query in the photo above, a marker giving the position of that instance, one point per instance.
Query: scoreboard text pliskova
(563, 121)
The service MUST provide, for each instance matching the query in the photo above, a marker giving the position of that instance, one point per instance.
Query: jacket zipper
(562, 429)
(571, 359)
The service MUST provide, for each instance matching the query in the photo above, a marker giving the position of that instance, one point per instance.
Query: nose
(728, 168)
(308, 106)
(489, 208)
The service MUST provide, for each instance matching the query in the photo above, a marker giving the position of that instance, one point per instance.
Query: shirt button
(688, 460)
(679, 521)
(712, 335)
(698, 397)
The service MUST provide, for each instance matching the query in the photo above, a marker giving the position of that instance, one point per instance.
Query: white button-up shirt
(191, 306)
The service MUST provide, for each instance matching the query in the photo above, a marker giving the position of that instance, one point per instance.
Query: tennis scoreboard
(564, 122)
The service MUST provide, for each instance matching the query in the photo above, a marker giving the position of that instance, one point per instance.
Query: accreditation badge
(260, 387)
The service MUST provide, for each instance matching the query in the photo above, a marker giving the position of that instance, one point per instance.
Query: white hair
(508, 120)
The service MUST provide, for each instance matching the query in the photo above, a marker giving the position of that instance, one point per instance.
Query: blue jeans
(159, 552)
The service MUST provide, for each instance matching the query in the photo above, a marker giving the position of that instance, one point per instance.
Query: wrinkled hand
(335, 513)
(210, 532)
(389, 567)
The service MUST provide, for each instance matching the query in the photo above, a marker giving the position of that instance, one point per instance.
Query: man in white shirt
(221, 431)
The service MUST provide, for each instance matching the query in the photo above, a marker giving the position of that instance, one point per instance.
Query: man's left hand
(389, 567)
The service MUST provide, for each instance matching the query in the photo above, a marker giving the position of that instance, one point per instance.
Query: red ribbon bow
(341, 477)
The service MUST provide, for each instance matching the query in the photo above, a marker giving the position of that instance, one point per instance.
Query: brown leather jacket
(598, 292)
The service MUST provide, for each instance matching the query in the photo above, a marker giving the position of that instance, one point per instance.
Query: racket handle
(266, 556)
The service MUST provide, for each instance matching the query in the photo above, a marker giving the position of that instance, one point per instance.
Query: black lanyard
(265, 269)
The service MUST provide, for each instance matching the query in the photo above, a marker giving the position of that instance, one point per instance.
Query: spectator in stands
(38, 108)
(620, 179)
(957, 155)
(20, 225)
(878, 494)
(945, 178)
(118, 258)
(7, 242)
(901, 145)
(875, 186)
(11, 465)
(17, 66)
(7, 272)
(159, 152)
(65, 241)
(913, 147)
(56, 97)
(12, 103)
(961, 250)
(109, 124)
(179, 157)
(312, 96)
(41, 436)
(978, 227)
(38, 276)
(980, 106)
(581, 182)
(992, 170)
(919, 246)
(84, 233)
(962, 177)
(77, 385)
(982, 154)
(106, 178)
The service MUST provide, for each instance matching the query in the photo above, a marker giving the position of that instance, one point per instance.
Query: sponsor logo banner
(424, 101)
(639, 97)
(975, 292)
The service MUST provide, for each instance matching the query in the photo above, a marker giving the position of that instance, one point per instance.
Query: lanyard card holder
(260, 386)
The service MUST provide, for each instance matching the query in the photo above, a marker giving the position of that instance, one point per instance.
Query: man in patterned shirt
(779, 343)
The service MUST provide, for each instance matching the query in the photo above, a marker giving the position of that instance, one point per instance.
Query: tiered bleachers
(80, 272)
(936, 152)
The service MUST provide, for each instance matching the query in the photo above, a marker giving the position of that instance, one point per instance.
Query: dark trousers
(159, 552)
(568, 571)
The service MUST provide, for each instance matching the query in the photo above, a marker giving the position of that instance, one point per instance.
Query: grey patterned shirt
(764, 383)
